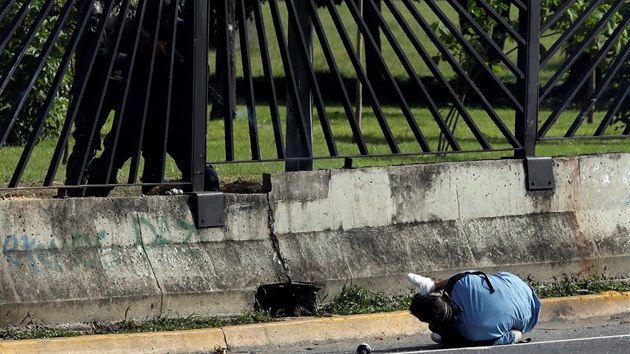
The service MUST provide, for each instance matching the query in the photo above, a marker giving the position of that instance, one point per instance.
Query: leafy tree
(17, 82)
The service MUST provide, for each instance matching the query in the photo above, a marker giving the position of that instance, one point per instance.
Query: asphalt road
(599, 335)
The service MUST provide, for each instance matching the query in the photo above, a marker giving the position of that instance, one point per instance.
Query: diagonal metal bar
(501, 21)
(290, 75)
(124, 105)
(473, 53)
(74, 103)
(13, 26)
(557, 15)
(573, 90)
(521, 6)
(332, 65)
(406, 109)
(376, 107)
(104, 83)
(575, 25)
(56, 83)
(268, 73)
(622, 95)
(20, 51)
(319, 102)
(601, 86)
(435, 111)
(485, 38)
(247, 75)
(146, 77)
(171, 29)
(13, 64)
(575, 55)
(458, 103)
(4, 8)
(461, 72)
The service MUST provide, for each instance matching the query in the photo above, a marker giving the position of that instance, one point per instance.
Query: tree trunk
(375, 74)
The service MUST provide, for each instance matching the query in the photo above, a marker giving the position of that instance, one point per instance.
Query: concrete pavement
(297, 331)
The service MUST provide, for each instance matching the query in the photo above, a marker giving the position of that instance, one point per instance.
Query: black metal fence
(120, 88)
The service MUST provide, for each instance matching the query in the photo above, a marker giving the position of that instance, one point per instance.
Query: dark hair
(430, 308)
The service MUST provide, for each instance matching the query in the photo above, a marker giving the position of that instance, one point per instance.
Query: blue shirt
(486, 316)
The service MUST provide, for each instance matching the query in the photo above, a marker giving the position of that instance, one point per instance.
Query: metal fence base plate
(539, 172)
(209, 208)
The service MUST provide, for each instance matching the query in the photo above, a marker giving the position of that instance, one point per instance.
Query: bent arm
(441, 284)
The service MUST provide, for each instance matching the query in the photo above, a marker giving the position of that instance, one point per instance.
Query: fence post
(295, 146)
(200, 93)
(538, 170)
(529, 62)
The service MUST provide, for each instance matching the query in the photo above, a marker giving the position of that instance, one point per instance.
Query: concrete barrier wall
(76, 260)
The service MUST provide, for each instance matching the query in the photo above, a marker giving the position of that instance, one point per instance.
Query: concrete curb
(298, 331)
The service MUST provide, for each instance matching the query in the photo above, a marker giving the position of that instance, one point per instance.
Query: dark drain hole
(287, 299)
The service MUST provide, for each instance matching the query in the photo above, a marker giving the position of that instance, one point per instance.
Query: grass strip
(352, 300)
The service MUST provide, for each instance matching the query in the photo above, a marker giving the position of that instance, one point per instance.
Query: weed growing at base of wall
(351, 301)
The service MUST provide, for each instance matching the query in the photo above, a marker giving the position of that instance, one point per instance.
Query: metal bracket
(209, 208)
(539, 173)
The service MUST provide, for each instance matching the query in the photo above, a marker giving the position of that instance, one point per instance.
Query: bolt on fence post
(526, 129)
(200, 93)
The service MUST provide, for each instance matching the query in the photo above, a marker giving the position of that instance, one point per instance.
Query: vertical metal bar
(302, 112)
(268, 73)
(528, 60)
(228, 100)
(247, 75)
(304, 43)
(200, 94)
(332, 65)
(290, 74)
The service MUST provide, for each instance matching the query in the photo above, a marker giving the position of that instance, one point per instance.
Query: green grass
(38, 165)
(40, 160)
(340, 54)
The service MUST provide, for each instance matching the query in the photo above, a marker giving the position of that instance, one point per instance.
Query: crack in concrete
(227, 345)
(276, 243)
(141, 244)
